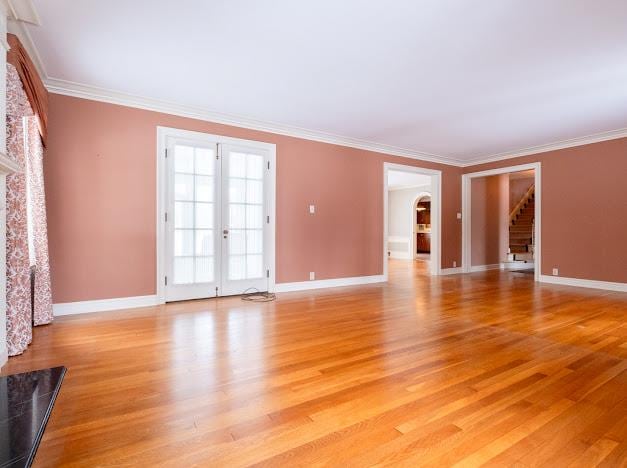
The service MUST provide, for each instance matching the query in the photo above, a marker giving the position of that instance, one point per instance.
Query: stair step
(516, 249)
(526, 256)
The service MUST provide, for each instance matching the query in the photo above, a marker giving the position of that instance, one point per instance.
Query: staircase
(521, 229)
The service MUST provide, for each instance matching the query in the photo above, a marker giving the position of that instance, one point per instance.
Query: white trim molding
(329, 283)
(22, 10)
(103, 305)
(584, 283)
(476, 268)
(4, 354)
(516, 266)
(451, 271)
(94, 93)
(69, 88)
(545, 148)
(19, 29)
(467, 212)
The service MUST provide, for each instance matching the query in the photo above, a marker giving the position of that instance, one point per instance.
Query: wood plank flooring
(488, 368)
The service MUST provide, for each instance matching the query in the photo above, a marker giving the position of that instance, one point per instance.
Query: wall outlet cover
(454, 264)
(555, 272)
(312, 275)
(312, 209)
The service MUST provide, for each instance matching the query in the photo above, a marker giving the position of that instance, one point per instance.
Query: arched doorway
(421, 212)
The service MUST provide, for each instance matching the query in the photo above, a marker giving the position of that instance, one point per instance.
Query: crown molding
(563, 144)
(22, 10)
(69, 88)
(19, 29)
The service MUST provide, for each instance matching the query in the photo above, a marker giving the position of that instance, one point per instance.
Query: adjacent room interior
(281, 233)
(409, 216)
(503, 222)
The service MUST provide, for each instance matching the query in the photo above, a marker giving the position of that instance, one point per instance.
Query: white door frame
(163, 133)
(436, 214)
(467, 220)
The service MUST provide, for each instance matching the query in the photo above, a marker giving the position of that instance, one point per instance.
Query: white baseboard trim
(494, 266)
(102, 305)
(451, 271)
(4, 354)
(516, 266)
(329, 283)
(400, 255)
(584, 283)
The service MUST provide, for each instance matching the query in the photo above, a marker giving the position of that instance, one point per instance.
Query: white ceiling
(399, 180)
(451, 79)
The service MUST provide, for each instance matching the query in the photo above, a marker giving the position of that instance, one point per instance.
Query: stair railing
(523, 201)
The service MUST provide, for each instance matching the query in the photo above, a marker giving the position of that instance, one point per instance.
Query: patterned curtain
(42, 294)
(24, 147)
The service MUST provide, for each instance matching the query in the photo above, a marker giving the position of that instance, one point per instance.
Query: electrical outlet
(454, 264)
(555, 272)
(312, 209)
(312, 275)
(459, 216)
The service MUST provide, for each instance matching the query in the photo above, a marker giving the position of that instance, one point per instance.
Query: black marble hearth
(26, 401)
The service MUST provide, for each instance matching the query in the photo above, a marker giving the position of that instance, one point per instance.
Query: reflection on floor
(487, 367)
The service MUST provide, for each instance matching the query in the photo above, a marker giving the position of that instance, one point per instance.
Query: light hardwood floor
(485, 368)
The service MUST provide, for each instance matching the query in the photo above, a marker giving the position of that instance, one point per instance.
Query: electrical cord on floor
(254, 295)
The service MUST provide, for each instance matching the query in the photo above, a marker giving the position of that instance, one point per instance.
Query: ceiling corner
(23, 10)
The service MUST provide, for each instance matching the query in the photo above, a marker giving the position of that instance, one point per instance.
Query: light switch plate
(312, 275)
(555, 272)
(459, 216)
(312, 209)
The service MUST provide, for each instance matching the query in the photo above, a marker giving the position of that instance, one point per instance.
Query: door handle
(226, 233)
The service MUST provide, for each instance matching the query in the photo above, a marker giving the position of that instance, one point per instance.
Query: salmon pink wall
(584, 209)
(490, 220)
(100, 171)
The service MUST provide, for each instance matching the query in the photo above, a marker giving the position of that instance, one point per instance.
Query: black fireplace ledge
(26, 401)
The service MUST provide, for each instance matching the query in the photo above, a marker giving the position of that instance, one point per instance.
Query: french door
(217, 218)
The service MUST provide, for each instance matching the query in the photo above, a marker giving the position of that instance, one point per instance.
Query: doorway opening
(421, 237)
(412, 211)
(215, 215)
(501, 223)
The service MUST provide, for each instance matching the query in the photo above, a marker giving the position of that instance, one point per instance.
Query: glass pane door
(243, 219)
(192, 220)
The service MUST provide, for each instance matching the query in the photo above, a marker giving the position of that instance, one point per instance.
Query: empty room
(313, 233)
